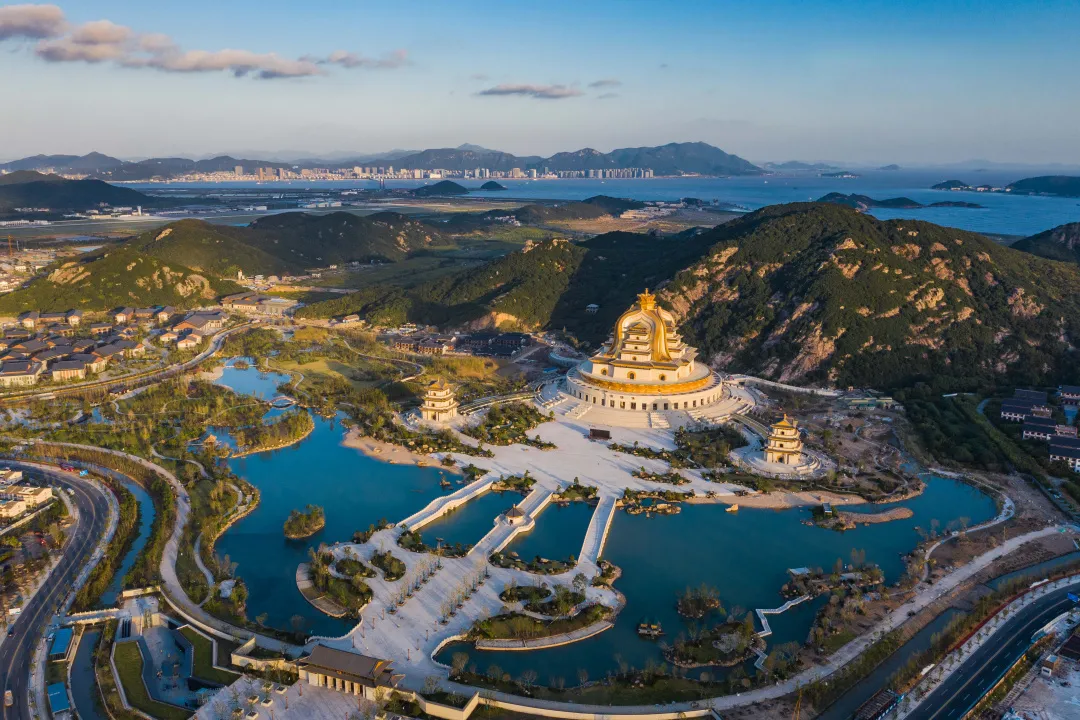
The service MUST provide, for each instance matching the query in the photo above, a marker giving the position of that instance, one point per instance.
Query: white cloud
(31, 21)
(541, 92)
(606, 83)
(395, 59)
(105, 41)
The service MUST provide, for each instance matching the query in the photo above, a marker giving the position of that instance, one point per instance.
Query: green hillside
(544, 285)
(319, 240)
(1060, 243)
(822, 293)
(289, 242)
(214, 249)
(804, 293)
(120, 277)
(31, 189)
(1063, 185)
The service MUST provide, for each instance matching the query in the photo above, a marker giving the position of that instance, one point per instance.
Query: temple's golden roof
(644, 318)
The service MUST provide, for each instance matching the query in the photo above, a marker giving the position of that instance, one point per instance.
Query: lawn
(203, 667)
(837, 641)
(129, 666)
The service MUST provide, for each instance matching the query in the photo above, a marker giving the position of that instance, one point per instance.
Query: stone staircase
(657, 420)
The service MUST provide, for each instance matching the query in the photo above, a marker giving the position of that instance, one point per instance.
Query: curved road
(983, 668)
(18, 651)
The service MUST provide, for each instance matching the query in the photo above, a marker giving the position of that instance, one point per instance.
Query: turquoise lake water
(559, 533)
(745, 555)
(354, 490)
(470, 522)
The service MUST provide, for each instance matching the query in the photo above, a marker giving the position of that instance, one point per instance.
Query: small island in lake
(305, 524)
(492, 185)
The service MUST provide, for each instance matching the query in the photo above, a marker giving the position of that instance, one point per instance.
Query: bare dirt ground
(1050, 698)
(1033, 511)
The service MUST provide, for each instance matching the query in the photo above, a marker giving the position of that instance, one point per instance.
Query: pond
(745, 555)
(146, 520)
(249, 381)
(354, 490)
(559, 532)
(470, 522)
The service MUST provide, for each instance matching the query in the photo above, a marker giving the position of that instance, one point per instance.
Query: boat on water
(649, 630)
(733, 508)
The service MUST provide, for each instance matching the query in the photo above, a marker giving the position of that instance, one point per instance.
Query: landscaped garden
(515, 626)
(392, 568)
(203, 662)
(129, 666)
(508, 424)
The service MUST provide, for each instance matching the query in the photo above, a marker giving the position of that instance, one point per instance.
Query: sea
(1002, 213)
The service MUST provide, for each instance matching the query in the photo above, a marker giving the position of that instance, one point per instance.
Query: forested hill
(1060, 243)
(115, 278)
(823, 293)
(545, 285)
(288, 242)
(32, 189)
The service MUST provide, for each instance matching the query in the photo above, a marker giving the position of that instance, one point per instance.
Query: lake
(355, 491)
(744, 554)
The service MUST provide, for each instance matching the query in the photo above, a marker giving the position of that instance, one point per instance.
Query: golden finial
(646, 300)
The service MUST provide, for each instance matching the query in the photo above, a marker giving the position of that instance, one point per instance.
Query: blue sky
(911, 82)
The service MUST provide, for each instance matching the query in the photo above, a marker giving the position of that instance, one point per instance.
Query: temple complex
(645, 367)
(784, 444)
(440, 405)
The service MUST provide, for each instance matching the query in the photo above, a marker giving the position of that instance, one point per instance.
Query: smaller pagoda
(784, 444)
(440, 405)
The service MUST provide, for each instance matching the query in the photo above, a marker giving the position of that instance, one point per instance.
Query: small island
(443, 187)
(951, 185)
(491, 185)
(304, 524)
(864, 202)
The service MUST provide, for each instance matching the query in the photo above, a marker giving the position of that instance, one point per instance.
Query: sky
(859, 82)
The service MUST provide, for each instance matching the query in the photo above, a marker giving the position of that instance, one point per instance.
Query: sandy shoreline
(390, 453)
(784, 500)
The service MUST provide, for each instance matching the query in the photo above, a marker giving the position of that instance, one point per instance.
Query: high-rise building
(238, 170)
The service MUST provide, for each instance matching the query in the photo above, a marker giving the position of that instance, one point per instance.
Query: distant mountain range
(696, 158)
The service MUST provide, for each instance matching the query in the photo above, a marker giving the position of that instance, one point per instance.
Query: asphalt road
(983, 668)
(17, 651)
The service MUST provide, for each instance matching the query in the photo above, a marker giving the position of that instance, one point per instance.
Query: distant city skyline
(869, 83)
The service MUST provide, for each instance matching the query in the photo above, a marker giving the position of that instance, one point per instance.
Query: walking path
(766, 630)
(597, 533)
